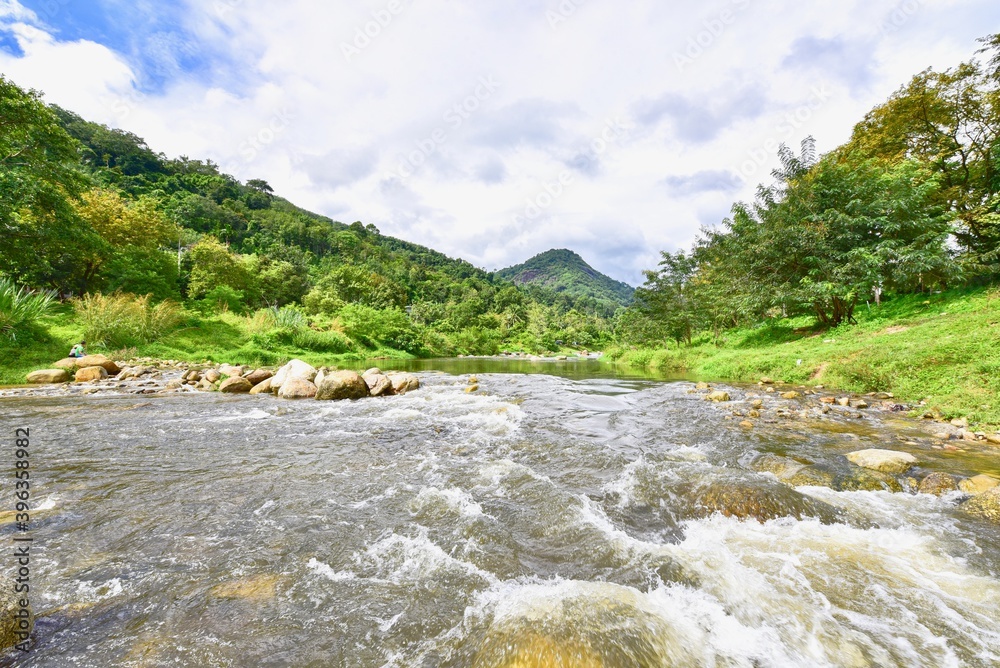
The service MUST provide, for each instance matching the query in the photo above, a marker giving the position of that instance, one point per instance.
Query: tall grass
(121, 320)
(21, 308)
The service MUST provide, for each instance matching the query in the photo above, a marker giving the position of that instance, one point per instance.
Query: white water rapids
(541, 521)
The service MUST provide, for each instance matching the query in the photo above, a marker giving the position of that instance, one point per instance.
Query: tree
(38, 182)
(213, 264)
(116, 226)
(668, 296)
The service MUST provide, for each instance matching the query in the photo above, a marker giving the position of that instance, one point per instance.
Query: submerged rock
(867, 480)
(48, 376)
(16, 621)
(978, 484)
(885, 461)
(339, 385)
(256, 589)
(986, 505)
(760, 499)
(938, 483)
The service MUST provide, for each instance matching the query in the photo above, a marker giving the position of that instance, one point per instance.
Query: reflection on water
(576, 369)
(564, 519)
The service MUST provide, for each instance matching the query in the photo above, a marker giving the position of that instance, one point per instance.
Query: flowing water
(542, 521)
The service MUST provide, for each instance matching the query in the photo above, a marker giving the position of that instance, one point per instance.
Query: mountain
(564, 272)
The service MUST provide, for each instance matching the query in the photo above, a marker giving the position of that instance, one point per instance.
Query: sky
(491, 131)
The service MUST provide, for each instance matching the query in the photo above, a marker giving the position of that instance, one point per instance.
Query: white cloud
(278, 99)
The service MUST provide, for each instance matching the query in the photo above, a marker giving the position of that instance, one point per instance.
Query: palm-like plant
(20, 307)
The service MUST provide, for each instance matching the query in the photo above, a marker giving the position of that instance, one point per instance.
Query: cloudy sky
(490, 131)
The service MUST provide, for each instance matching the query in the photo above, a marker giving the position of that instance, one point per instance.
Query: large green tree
(39, 179)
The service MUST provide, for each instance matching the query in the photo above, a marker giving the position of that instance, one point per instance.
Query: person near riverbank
(77, 350)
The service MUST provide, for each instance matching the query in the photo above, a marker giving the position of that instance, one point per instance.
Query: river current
(543, 520)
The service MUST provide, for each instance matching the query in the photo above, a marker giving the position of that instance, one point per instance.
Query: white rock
(296, 369)
(886, 461)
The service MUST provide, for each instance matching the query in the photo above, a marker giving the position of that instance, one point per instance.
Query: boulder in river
(986, 505)
(91, 373)
(338, 385)
(868, 480)
(938, 483)
(294, 370)
(212, 376)
(759, 499)
(263, 387)
(296, 388)
(978, 484)
(404, 382)
(791, 395)
(48, 376)
(719, 396)
(379, 384)
(68, 363)
(886, 461)
(235, 385)
(258, 376)
(230, 370)
(98, 360)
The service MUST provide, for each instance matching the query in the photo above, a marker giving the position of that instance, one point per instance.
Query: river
(563, 518)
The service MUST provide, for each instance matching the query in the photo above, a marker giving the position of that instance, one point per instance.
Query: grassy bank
(943, 349)
(223, 337)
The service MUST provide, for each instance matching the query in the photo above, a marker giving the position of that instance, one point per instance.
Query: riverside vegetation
(869, 268)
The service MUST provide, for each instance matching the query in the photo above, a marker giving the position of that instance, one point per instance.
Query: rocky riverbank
(774, 408)
(97, 374)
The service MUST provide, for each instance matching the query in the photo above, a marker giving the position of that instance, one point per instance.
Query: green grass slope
(563, 271)
(943, 350)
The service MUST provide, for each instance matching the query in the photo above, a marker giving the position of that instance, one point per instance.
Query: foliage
(120, 320)
(39, 178)
(21, 309)
(563, 272)
(940, 349)
(374, 327)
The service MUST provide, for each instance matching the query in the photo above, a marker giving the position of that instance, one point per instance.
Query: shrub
(20, 309)
(223, 298)
(121, 320)
(374, 327)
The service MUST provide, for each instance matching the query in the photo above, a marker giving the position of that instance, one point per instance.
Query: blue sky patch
(9, 43)
(152, 39)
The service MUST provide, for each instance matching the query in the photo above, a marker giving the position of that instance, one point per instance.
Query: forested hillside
(87, 209)
(566, 273)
